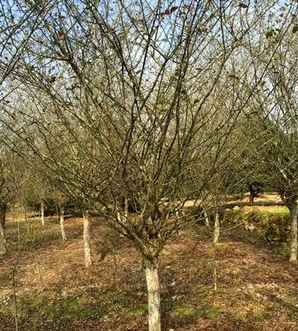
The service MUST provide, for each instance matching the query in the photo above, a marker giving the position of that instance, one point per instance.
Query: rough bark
(153, 287)
(2, 240)
(86, 240)
(42, 213)
(216, 232)
(294, 236)
(62, 224)
(3, 215)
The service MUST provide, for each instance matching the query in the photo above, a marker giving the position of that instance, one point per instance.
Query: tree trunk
(86, 239)
(42, 213)
(293, 243)
(153, 287)
(2, 240)
(27, 221)
(3, 215)
(251, 199)
(62, 224)
(216, 232)
(126, 208)
(206, 218)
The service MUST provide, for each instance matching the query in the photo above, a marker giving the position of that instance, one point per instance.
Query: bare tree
(275, 116)
(120, 99)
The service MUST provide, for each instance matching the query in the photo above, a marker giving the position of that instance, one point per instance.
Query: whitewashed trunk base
(216, 229)
(62, 225)
(42, 213)
(86, 240)
(294, 236)
(153, 287)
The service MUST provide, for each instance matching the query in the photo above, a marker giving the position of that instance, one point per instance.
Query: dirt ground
(235, 286)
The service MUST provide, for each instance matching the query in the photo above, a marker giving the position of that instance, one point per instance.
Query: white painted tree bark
(206, 218)
(216, 231)
(153, 288)
(126, 208)
(42, 213)
(86, 240)
(2, 240)
(62, 224)
(294, 235)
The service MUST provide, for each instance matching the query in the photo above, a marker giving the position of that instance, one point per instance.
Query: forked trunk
(62, 224)
(42, 213)
(153, 288)
(86, 239)
(216, 232)
(2, 240)
(294, 237)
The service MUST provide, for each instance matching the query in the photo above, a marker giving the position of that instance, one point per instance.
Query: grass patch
(206, 311)
(138, 311)
(271, 225)
(116, 301)
(266, 210)
(253, 311)
(56, 313)
(27, 237)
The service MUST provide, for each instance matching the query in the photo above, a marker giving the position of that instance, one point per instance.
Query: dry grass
(277, 210)
(256, 289)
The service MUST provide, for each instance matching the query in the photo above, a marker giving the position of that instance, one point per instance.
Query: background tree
(9, 188)
(275, 119)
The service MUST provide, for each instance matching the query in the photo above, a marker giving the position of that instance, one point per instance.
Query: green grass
(31, 235)
(265, 213)
(138, 311)
(206, 311)
(281, 211)
(56, 313)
